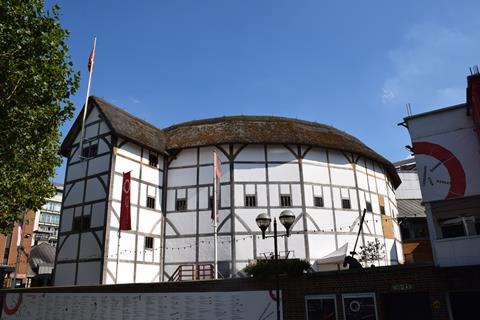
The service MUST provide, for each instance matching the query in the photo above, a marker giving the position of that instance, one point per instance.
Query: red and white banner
(91, 58)
(125, 221)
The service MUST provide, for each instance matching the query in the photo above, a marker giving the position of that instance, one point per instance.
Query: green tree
(373, 251)
(36, 82)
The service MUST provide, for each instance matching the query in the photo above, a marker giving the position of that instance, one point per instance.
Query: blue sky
(350, 64)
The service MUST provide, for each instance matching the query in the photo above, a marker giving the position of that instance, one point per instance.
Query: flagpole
(215, 213)
(86, 98)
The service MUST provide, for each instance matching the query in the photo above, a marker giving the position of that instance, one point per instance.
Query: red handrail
(189, 272)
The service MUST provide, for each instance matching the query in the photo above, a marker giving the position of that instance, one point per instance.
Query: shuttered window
(250, 201)
(285, 200)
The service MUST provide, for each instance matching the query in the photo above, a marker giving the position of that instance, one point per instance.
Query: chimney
(473, 97)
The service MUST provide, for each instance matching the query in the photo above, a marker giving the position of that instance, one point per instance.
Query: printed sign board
(447, 153)
(239, 305)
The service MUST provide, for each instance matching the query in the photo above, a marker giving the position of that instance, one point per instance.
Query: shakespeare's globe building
(323, 175)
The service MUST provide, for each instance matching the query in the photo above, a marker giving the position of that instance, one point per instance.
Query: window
(369, 206)
(148, 242)
(81, 223)
(153, 160)
(181, 204)
(381, 202)
(405, 231)
(285, 200)
(382, 209)
(150, 202)
(452, 230)
(90, 151)
(321, 307)
(318, 201)
(359, 306)
(250, 201)
(346, 204)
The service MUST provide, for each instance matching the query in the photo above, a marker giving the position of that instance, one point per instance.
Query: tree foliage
(373, 251)
(266, 268)
(37, 80)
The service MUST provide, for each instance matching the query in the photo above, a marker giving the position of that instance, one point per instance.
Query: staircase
(189, 272)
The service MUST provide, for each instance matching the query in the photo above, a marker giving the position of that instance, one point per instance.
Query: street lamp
(287, 218)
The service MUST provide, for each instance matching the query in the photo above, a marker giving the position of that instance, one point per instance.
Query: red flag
(125, 223)
(216, 185)
(90, 59)
(217, 165)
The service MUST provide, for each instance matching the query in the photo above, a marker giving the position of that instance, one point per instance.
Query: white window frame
(360, 295)
(321, 297)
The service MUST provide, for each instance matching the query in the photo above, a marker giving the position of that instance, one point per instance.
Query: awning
(336, 257)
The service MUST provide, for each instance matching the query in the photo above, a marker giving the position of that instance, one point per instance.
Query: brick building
(8, 252)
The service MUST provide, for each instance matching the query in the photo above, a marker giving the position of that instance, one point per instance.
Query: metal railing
(189, 272)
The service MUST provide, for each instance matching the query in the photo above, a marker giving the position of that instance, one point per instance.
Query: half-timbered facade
(269, 164)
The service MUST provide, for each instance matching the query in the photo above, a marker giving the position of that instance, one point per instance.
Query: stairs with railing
(189, 272)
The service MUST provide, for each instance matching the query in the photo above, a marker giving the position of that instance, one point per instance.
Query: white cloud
(430, 67)
(134, 100)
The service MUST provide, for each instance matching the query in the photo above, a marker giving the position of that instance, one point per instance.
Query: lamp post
(287, 218)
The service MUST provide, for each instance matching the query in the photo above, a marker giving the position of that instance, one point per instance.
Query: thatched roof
(123, 124)
(234, 129)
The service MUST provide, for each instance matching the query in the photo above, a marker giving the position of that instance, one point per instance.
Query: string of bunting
(325, 229)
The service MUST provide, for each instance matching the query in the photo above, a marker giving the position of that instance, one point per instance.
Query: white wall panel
(225, 196)
(186, 157)
(252, 152)
(362, 180)
(317, 155)
(315, 174)
(309, 195)
(104, 128)
(149, 221)
(296, 195)
(283, 172)
(125, 272)
(244, 248)
(67, 220)
(69, 248)
(184, 222)
(191, 198)
(206, 174)
(250, 172)
(75, 195)
(261, 195)
(152, 175)
(206, 249)
(65, 274)
(274, 192)
(180, 250)
(337, 159)
(327, 197)
(95, 190)
(182, 177)
(89, 247)
(296, 244)
(125, 165)
(239, 196)
(130, 150)
(93, 115)
(279, 153)
(322, 217)
(342, 177)
(206, 155)
(76, 171)
(147, 273)
(99, 165)
(347, 219)
(203, 195)
(248, 216)
(170, 200)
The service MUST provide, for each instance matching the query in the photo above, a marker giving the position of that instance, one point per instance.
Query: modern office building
(47, 220)
(323, 175)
